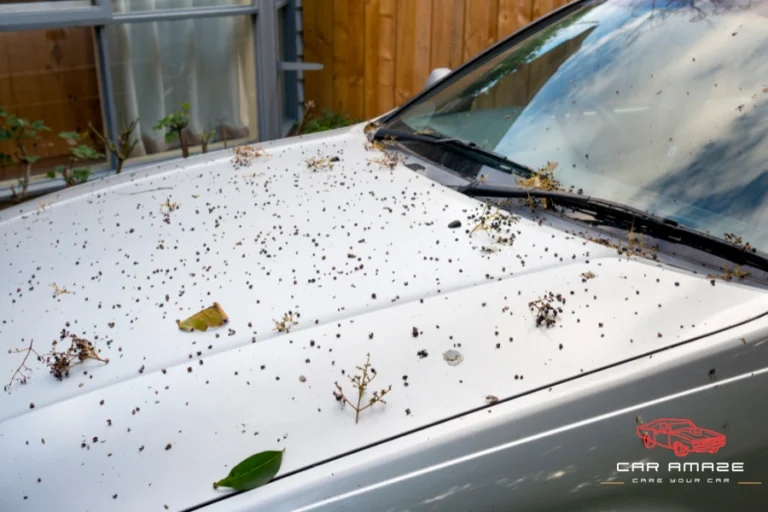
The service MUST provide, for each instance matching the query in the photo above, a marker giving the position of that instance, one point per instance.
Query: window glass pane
(51, 76)
(281, 55)
(8, 6)
(160, 5)
(207, 63)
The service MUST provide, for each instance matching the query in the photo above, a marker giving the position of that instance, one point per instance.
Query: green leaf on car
(253, 472)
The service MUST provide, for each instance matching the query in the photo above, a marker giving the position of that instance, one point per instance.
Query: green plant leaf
(5, 134)
(328, 120)
(253, 472)
(206, 136)
(81, 175)
(175, 121)
(51, 174)
(40, 125)
(85, 152)
(17, 122)
(29, 159)
(69, 135)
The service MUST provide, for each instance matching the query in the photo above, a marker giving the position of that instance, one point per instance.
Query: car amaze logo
(681, 436)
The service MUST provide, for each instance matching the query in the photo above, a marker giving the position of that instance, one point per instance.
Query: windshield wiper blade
(466, 148)
(612, 213)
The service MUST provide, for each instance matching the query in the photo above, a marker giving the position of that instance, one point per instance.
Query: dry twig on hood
(361, 383)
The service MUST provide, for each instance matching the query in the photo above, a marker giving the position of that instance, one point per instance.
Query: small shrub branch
(361, 383)
(59, 363)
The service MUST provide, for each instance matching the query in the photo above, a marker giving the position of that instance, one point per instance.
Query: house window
(14, 6)
(91, 68)
(207, 63)
(161, 5)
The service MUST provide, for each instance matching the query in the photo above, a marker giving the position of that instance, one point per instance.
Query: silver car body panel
(364, 255)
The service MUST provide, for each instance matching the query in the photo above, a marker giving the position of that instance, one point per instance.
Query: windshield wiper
(611, 213)
(469, 149)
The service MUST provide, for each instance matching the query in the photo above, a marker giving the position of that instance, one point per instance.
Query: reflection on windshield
(659, 105)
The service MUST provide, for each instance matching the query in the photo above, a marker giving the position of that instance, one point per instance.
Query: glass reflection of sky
(661, 105)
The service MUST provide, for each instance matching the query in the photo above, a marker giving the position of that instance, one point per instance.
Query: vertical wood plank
(457, 41)
(513, 15)
(542, 7)
(324, 24)
(480, 17)
(341, 56)
(372, 26)
(387, 55)
(447, 33)
(406, 39)
(422, 44)
(356, 59)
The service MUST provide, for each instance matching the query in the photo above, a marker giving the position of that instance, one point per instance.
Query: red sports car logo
(681, 436)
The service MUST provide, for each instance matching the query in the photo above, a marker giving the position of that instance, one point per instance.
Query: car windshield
(662, 106)
(680, 425)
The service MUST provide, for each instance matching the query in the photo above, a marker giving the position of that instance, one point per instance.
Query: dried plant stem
(286, 323)
(244, 155)
(122, 147)
(547, 308)
(23, 365)
(59, 363)
(184, 145)
(488, 220)
(361, 382)
(308, 106)
(27, 169)
(730, 273)
(56, 290)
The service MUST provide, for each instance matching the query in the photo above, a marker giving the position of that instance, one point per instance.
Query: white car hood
(363, 254)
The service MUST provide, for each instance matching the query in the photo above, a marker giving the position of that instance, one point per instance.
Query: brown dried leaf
(213, 316)
(371, 126)
(543, 179)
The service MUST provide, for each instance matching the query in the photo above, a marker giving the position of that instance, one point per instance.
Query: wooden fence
(49, 75)
(378, 53)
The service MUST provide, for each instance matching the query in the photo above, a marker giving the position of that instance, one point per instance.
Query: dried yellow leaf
(370, 126)
(730, 273)
(213, 316)
(543, 179)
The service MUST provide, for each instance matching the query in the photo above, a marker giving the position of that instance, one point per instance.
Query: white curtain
(158, 66)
